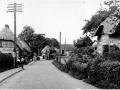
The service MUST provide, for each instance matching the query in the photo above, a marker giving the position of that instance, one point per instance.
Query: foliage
(92, 24)
(52, 42)
(36, 41)
(26, 34)
(6, 60)
(68, 47)
(102, 73)
(84, 51)
(83, 42)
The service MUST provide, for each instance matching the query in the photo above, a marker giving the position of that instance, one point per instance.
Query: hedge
(6, 60)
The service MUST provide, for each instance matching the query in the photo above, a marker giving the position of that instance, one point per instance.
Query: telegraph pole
(65, 46)
(60, 47)
(15, 8)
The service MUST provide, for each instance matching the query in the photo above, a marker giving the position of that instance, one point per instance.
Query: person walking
(18, 62)
(22, 62)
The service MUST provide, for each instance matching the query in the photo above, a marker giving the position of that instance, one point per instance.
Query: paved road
(43, 75)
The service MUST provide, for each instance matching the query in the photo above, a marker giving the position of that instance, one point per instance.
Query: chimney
(7, 26)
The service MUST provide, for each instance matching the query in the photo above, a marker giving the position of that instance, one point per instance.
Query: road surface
(43, 75)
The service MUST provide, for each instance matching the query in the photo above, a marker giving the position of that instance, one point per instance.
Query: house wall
(106, 40)
(8, 47)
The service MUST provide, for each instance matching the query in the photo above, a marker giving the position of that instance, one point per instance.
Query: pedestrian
(18, 62)
(22, 62)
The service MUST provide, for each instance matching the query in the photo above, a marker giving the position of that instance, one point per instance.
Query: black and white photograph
(60, 44)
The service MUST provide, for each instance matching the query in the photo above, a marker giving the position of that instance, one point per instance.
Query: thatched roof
(108, 26)
(7, 34)
(24, 45)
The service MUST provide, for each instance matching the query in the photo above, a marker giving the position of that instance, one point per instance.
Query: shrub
(113, 55)
(69, 63)
(92, 68)
(104, 73)
(6, 60)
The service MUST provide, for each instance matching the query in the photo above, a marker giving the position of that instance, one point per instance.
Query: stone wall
(106, 40)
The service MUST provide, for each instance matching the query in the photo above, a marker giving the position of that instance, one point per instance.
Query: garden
(100, 71)
(85, 63)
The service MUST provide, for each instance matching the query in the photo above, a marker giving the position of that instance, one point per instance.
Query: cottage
(7, 42)
(26, 49)
(46, 52)
(108, 32)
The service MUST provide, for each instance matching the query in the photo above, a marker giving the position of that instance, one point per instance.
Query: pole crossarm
(15, 11)
(14, 7)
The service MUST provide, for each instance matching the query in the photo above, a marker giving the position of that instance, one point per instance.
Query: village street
(43, 75)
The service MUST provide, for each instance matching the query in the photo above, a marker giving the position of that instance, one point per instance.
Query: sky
(50, 17)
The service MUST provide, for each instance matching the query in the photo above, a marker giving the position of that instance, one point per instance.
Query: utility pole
(65, 46)
(60, 47)
(15, 8)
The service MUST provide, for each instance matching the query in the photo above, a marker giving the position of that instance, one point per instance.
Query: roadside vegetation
(6, 61)
(102, 71)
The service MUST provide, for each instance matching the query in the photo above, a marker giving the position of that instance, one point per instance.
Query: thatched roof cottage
(108, 32)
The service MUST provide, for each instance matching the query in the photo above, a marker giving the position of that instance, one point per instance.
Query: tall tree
(40, 40)
(26, 34)
(54, 43)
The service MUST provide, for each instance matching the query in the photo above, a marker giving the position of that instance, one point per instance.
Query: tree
(112, 2)
(27, 34)
(36, 41)
(83, 42)
(40, 40)
(54, 43)
(109, 3)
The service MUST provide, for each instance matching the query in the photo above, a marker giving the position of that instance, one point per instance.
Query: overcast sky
(51, 16)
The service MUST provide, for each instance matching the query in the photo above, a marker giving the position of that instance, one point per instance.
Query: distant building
(46, 52)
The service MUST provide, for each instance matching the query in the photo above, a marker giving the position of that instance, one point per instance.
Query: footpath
(8, 73)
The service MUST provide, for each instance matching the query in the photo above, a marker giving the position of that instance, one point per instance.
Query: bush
(69, 63)
(6, 60)
(92, 68)
(104, 73)
(113, 55)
